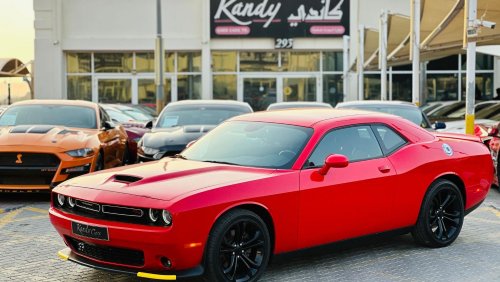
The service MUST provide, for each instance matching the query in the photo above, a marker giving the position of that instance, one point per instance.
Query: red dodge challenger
(268, 183)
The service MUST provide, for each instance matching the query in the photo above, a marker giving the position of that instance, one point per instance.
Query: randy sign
(279, 18)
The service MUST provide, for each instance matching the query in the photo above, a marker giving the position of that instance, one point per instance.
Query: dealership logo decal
(447, 150)
(247, 10)
(19, 159)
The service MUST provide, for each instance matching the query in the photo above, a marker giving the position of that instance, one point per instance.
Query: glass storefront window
(259, 93)
(170, 62)
(483, 62)
(188, 87)
(447, 63)
(372, 87)
(224, 87)
(189, 62)
(299, 89)
(147, 92)
(224, 61)
(145, 62)
(113, 62)
(402, 87)
(259, 61)
(442, 87)
(115, 91)
(333, 61)
(300, 61)
(78, 62)
(79, 87)
(484, 86)
(333, 86)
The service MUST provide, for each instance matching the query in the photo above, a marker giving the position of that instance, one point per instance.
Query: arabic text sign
(279, 18)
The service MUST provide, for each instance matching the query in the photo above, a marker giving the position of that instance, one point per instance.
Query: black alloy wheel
(239, 247)
(441, 215)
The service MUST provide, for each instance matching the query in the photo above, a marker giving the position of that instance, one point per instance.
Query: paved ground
(28, 247)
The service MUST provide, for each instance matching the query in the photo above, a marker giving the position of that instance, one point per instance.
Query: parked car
(432, 107)
(45, 142)
(292, 105)
(182, 122)
(134, 129)
(2, 108)
(269, 183)
(406, 110)
(134, 112)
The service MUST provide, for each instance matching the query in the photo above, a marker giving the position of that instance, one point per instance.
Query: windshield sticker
(447, 150)
(170, 121)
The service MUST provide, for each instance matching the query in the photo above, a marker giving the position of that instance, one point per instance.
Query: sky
(16, 40)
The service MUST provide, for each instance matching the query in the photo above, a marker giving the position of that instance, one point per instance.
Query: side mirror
(334, 161)
(149, 125)
(439, 125)
(108, 125)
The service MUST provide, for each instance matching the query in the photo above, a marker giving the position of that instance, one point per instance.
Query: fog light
(167, 217)
(60, 199)
(166, 262)
(154, 215)
(71, 202)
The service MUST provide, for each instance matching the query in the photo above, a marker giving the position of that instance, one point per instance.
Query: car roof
(306, 116)
(57, 102)
(209, 103)
(298, 104)
(375, 103)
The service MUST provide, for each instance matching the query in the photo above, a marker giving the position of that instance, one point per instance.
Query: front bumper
(66, 254)
(152, 243)
(41, 177)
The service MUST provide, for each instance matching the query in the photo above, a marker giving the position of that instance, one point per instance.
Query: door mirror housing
(439, 125)
(108, 125)
(334, 161)
(149, 125)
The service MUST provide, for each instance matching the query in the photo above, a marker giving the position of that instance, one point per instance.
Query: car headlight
(81, 153)
(154, 215)
(61, 199)
(167, 217)
(71, 202)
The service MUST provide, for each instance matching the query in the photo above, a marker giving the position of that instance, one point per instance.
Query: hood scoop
(126, 178)
(35, 129)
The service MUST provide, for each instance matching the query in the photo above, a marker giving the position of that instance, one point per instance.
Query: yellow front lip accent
(156, 276)
(62, 255)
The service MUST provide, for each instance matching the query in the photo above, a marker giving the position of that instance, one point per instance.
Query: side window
(103, 116)
(391, 141)
(356, 143)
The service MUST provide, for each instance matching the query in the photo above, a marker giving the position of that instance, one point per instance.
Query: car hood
(45, 136)
(179, 135)
(168, 178)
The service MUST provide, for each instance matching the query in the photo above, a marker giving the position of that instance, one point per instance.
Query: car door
(110, 140)
(346, 202)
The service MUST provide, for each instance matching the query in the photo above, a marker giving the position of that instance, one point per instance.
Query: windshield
(118, 116)
(491, 112)
(446, 110)
(60, 115)
(197, 115)
(412, 114)
(255, 144)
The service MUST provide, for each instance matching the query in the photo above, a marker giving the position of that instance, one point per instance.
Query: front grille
(108, 212)
(20, 159)
(107, 254)
(27, 168)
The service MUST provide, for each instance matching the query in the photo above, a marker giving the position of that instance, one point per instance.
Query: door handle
(384, 169)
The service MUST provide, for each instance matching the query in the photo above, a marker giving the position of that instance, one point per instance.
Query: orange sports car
(45, 142)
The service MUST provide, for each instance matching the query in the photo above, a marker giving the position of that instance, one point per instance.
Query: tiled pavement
(28, 247)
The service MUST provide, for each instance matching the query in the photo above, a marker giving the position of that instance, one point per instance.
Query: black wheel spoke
(255, 244)
(454, 215)
(254, 239)
(250, 263)
(449, 200)
(231, 265)
(454, 222)
(440, 229)
(235, 268)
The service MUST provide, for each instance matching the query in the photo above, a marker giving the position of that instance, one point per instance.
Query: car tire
(441, 215)
(238, 248)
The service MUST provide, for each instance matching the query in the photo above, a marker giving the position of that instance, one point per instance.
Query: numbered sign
(283, 43)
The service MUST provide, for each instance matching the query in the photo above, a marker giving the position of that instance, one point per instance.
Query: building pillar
(206, 54)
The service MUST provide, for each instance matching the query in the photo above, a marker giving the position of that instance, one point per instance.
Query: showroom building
(258, 51)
